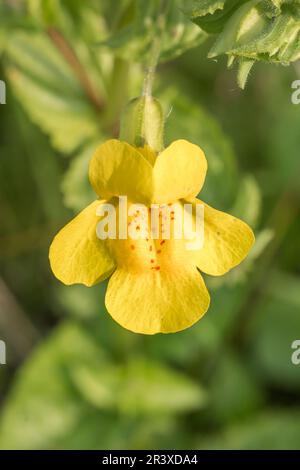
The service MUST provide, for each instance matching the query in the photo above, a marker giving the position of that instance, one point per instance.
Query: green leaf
(139, 387)
(283, 143)
(135, 39)
(271, 430)
(43, 406)
(45, 11)
(11, 19)
(192, 122)
(248, 201)
(49, 92)
(67, 15)
(245, 66)
(234, 392)
(256, 30)
(199, 8)
(212, 15)
(274, 328)
(69, 389)
(240, 25)
(78, 301)
(76, 188)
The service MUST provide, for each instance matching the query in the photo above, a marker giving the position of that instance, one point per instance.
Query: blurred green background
(74, 379)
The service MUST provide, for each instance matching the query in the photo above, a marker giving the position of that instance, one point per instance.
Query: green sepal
(142, 123)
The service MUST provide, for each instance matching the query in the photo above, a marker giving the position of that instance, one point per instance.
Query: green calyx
(142, 123)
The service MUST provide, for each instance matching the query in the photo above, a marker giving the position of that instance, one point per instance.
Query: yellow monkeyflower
(155, 284)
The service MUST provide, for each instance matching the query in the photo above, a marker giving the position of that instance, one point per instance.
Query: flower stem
(70, 56)
(150, 71)
(156, 49)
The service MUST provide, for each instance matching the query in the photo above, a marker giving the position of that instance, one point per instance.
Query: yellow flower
(155, 284)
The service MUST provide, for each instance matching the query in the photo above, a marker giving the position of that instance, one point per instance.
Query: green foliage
(50, 12)
(234, 391)
(141, 26)
(211, 15)
(248, 201)
(139, 388)
(76, 188)
(272, 430)
(198, 8)
(274, 330)
(44, 406)
(69, 379)
(50, 94)
(250, 31)
(88, 383)
(202, 129)
(71, 16)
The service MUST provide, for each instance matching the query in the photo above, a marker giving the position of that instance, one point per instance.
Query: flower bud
(143, 123)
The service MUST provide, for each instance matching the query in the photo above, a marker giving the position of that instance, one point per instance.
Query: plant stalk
(70, 56)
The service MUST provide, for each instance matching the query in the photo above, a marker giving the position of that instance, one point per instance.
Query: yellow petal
(227, 241)
(157, 287)
(77, 255)
(118, 169)
(179, 172)
(157, 302)
(148, 154)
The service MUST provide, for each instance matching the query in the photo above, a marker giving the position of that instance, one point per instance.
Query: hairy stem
(156, 49)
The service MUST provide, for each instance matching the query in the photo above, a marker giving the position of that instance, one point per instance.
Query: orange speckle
(138, 227)
(158, 252)
(150, 248)
(152, 260)
(157, 268)
(132, 247)
(162, 242)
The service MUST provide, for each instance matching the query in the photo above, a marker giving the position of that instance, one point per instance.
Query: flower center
(150, 244)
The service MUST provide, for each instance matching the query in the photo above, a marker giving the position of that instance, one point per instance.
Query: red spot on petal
(162, 242)
(157, 268)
